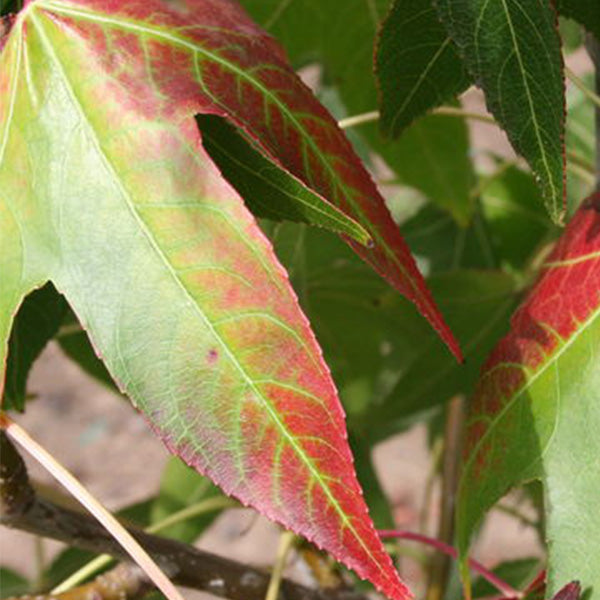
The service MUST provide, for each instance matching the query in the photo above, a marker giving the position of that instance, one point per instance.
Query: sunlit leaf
(108, 193)
(536, 411)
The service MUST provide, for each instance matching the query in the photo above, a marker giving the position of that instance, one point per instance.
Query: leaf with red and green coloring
(536, 410)
(108, 193)
(229, 67)
(512, 50)
(417, 65)
(586, 13)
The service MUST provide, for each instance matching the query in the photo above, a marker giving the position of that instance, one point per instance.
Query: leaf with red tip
(536, 411)
(229, 67)
(108, 193)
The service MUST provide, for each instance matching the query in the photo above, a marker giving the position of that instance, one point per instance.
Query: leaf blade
(512, 51)
(180, 292)
(536, 406)
(417, 65)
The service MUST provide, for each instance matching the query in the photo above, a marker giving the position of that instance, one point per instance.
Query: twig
(502, 586)
(286, 543)
(453, 434)
(124, 538)
(20, 508)
(449, 111)
(124, 582)
(590, 94)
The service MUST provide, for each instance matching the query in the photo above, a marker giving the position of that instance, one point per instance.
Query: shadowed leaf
(512, 50)
(584, 12)
(269, 191)
(417, 64)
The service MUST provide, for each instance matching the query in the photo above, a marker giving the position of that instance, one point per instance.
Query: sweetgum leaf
(417, 64)
(536, 410)
(584, 12)
(512, 50)
(109, 194)
(270, 192)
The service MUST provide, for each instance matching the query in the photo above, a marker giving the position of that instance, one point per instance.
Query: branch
(21, 508)
(125, 582)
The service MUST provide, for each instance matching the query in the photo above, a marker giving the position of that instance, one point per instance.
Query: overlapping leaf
(107, 192)
(270, 192)
(418, 65)
(536, 412)
(512, 50)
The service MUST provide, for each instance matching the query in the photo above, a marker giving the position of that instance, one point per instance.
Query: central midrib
(267, 404)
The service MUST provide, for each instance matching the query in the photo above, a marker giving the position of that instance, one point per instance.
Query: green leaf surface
(535, 413)
(269, 191)
(116, 202)
(433, 156)
(516, 218)
(12, 583)
(417, 64)
(512, 50)
(585, 12)
(38, 319)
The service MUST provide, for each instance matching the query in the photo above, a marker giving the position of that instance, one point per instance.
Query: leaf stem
(499, 584)
(590, 94)
(360, 119)
(286, 543)
(449, 111)
(62, 475)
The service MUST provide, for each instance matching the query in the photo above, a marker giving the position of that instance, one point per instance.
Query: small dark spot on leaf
(212, 356)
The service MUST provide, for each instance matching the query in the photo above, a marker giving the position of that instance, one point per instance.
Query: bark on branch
(21, 508)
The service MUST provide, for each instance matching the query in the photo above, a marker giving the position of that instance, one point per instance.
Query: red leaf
(207, 56)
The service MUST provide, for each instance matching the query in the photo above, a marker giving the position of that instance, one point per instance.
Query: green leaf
(516, 218)
(37, 321)
(535, 413)
(512, 50)
(270, 192)
(433, 156)
(584, 12)
(417, 64)
(12, 584)
(116, 202)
